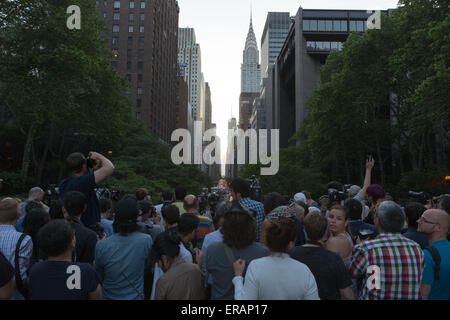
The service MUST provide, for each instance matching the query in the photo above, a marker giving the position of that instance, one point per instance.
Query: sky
(221, 27)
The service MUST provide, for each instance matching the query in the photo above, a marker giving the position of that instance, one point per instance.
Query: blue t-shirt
(121, 261)
(84, 184)
(49, 280)
(440, 289)
(107, 226)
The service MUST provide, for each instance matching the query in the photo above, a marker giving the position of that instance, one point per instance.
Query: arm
(249, 290)
(425, 291)
(367, 180)
(7, 290)
(107, 168)
(347, 294)
(96, 294)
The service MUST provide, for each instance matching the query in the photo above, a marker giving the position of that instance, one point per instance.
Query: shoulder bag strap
(437, 260)
(229, 253)
(19, 281)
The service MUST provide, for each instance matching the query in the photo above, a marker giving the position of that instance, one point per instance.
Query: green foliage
(432, 180)
(59, 94)
(386, 93)
(292, 177)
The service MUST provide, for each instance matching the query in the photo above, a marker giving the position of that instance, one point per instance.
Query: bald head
(190, 203)
(36, 193)
(439, 216)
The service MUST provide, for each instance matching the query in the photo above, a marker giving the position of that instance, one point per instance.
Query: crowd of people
(351, 244)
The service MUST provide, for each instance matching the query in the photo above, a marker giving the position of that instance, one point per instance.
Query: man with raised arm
(84, 178)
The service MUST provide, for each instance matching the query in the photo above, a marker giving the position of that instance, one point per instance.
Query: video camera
(421, 197)
(52, 193)
(336, 196)
(105, 193)
(255, 189)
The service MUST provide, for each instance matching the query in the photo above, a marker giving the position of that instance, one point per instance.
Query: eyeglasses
(422, 219)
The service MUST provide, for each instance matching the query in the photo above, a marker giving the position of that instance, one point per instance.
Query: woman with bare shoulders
(340, 238)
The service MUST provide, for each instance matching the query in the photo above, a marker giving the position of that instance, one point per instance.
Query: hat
(126, 211)
(353, 191)
(300, 197)
(144, 206)
(281, 211)
(312, 209)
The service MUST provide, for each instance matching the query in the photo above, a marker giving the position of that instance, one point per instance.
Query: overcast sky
(221, 28)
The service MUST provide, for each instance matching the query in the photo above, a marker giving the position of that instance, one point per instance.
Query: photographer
(84, 179)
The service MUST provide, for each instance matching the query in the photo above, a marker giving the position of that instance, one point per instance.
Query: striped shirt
(205, 226)
(8, 242)
(259, 208)
(401, 262)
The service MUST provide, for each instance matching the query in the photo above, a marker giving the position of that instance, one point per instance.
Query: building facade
(296, 72)
(143, 38)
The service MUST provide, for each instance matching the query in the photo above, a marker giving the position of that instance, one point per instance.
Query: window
(142, 5)
(116, 28)
(131, 17)
(104, 15)
(115, 40)
(105, 3)
(352, 25)
(96, 3)
(336, 25)
(130, 40)
(129, 51)
(139, 91)
(116, 4)
(132, 4)
(116, 16)
(321, 25)
(130, 29)
(329, 25)
(305, 25)
(140, 65)
(142, 17)
(141, 29)
(141, 41)
(139, 77)
(129, 77)
(115, 53)
(128, 65)
(138, 116)
(343, 25)
(114, 64)
(334, 45)
(360, 26)
(138, 103)
(313, 25)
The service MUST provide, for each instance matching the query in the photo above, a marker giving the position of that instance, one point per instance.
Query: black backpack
(437, 260)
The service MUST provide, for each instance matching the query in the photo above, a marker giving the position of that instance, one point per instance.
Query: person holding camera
(84, 179)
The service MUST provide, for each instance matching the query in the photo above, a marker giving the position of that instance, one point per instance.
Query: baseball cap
(353, 191)
(300, 197)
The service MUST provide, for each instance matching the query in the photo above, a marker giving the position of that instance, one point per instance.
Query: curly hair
(239, 230)
(279, 233)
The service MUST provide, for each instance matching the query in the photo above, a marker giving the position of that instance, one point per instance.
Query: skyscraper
(143, 38)
(189, 55)
(275, 32)
(250, 78)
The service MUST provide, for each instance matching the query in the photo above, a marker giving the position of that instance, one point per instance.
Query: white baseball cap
(300, 197)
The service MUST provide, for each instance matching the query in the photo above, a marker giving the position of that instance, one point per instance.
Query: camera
(255, 189)
(336, 196)
(52, 193)
(366, 234)
(90, 163)
(421, 197)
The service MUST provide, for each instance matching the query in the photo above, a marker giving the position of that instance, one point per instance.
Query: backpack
(437, 260)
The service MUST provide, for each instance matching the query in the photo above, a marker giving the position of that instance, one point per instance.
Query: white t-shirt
(276, 277)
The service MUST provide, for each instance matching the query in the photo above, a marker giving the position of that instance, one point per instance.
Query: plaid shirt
(401, 263)
(8, 242)
(259, 208)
